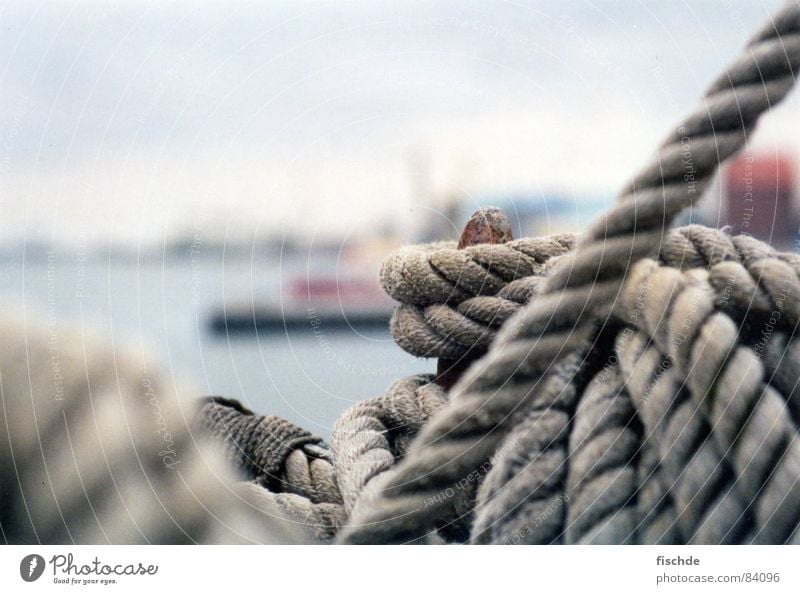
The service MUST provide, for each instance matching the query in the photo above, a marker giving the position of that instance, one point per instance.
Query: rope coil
(637, 385)
(580, 294)
(315, 485)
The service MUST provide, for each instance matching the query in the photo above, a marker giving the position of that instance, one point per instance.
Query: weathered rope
(370, 435)
(454, 301)
(743, 421)
(594, 451)
(316, 486)
(699, 246)
(622, 399)
(260, 446)
(283, 465)
(454, 329)
(95, 448)
(529, 469)
(581, 293)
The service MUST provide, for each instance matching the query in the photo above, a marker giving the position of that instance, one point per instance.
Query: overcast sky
(140, 121)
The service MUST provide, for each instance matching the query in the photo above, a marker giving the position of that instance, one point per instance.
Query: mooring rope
(317, 486)
(581, 291)
(578, 465)
(96, 447)
(454, 328)
(453, 301)
(638, 385)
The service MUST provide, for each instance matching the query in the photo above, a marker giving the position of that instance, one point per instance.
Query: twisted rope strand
(585, 283)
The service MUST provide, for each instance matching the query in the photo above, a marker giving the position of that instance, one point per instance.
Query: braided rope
(749, 424)
(370, 435)
(733, 263)
(522, 498)
(258, 445)
(436, 273)
(720, 456)
(602, 481)
(582, 288)
(319, 488)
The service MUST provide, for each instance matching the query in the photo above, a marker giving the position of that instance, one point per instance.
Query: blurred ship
(329, 288)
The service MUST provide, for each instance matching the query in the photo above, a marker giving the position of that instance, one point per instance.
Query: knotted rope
(453, 301)
(318, 486)
(581, 304)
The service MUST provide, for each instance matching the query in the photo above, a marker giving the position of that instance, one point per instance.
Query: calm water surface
(308, 376)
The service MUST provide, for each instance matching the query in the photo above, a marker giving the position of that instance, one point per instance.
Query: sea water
(309, 375)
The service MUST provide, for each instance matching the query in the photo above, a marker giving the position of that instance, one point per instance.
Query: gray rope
(438, 273)
(456, 330)
(691, 470)
(453, 301)
(315, 487)
(719, 452)
(284, 466)
(602, 476)
(453, 332)
(622, 399)
(370, 435)
(319, 488)
(522, 500)
(321, 520)
(582, 288)
(750, 426)
(724, 256)
(261, 446)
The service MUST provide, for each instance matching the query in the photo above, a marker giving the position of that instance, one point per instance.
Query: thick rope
(622, 399)
(522, 499)
(454, 301)
(733, 262)
(458, 329)
(370, 435)
(259, 445)
(748, 423)
(315, 486)
(95, 448)
(437, 273)
(595, 452)
(582, 289)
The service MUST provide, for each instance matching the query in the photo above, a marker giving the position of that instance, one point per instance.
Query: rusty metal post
(486, 225)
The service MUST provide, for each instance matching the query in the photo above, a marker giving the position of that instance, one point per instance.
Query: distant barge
(239, 320)
(316, 305)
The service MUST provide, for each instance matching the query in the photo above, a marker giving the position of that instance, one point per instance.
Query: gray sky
(139, 121)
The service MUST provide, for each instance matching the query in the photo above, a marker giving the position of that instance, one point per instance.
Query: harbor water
(308, 375)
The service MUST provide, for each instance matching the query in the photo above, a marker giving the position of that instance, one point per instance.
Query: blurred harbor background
(165, 167)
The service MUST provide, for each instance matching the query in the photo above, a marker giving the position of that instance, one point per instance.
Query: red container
(759, 195)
